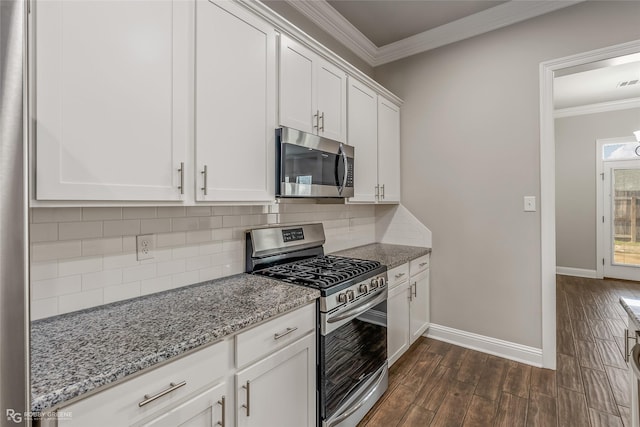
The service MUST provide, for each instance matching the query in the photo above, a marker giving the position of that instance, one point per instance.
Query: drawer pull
(399, 275)
(415, 289)
(172, 387)
(222, 422)
(282, 334)
(248, 405)
(422, 264)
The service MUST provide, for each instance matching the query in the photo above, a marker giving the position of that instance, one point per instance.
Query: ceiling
(385, 22)
(382, 31)
(609, 81)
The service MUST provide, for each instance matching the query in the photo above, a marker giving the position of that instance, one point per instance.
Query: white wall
(576, 181)
(470, 152)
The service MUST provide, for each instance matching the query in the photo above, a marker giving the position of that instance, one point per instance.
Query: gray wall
(576, 181)
(470, 152)
(299, 20)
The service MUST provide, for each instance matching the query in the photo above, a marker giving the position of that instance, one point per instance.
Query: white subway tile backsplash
(55, 250)
(79, 230)
(98, 214)
(79, 266)
(193, 244)
(158, 225)
(101, 279)
(171, 211)
(79, 301)
(55, 287)
(140, 272)
(171, 239)
(198, 211)
(44, 270)
(45, 232)
(121, 292)
(56, 214)
(127, 227)
(42, 308)
(109, 245)
(138, 213)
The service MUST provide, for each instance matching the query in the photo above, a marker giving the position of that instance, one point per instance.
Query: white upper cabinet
(388, 151)
(235, 92)
(363, 135)
(313, 92)
(110, 86)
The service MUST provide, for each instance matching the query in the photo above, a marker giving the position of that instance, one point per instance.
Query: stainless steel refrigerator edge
(14, 255)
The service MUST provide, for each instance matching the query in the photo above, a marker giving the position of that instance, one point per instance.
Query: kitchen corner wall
(85, 257)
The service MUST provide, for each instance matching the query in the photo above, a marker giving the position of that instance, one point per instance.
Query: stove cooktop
(322, 272)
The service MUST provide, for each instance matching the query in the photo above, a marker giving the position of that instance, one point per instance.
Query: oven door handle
(367, 394)
(635, 356)
(359, 309)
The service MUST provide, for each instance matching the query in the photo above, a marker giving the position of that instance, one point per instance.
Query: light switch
(529, 203)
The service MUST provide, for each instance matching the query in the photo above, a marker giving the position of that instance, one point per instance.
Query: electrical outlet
(529, 203)
(145, 245)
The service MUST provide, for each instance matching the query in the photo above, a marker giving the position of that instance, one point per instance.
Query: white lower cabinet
(207, 409)
(407, 306)
(280, 390)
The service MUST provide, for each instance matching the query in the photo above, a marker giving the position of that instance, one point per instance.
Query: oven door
(353, 362)
(311, 166)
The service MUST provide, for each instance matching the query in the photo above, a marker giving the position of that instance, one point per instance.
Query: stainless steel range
(352, 329)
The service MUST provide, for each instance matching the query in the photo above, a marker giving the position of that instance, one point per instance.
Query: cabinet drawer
(419, 264)
(274, 334)
(119, 405)
(398, 275)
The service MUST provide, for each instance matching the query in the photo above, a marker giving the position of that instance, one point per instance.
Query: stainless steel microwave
(309, 165)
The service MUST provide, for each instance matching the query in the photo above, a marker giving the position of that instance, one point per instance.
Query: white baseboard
(508, 350)
(577, 272)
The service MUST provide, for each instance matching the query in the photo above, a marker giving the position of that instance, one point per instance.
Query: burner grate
(321, 272)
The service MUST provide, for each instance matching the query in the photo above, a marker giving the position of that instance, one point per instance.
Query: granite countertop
(632, 307)
(389, 255)
(75, 353)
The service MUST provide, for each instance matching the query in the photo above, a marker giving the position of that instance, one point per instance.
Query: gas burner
(320, 272)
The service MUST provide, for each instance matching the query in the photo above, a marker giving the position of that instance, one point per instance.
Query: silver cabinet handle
(382, 191)
(377, 194)
(422, 264)
(316, 116)
(172, 387)
(321, 118)
(204, 182)
(399, 275)
(248, 405)
(627, 337)
(181, 170)
(285, 333)
(222, 422)
(415, 289)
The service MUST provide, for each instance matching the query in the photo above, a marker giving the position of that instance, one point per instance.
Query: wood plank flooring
(439, 384)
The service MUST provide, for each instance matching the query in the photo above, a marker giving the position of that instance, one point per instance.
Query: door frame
(601, 241)
(548, 186)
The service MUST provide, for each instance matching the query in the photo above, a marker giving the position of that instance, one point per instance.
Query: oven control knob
(363, 288)
(351, 295)
(342, 297)
(381, 281)
(374, 283)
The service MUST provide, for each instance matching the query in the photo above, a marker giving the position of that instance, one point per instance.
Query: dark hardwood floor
(439, 384)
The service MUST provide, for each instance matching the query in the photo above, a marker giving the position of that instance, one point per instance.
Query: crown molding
(326, 17)
(601, 107)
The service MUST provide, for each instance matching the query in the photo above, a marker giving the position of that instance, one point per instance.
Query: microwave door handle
(343, 154)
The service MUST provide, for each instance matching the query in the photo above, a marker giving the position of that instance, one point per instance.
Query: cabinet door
(110, 90)
(398, 322)
(297, 95)
(280, 390)
(388, 150)
(235, 104)
(204, 410)
(363, 135)
(331, 98)
(419, 310)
